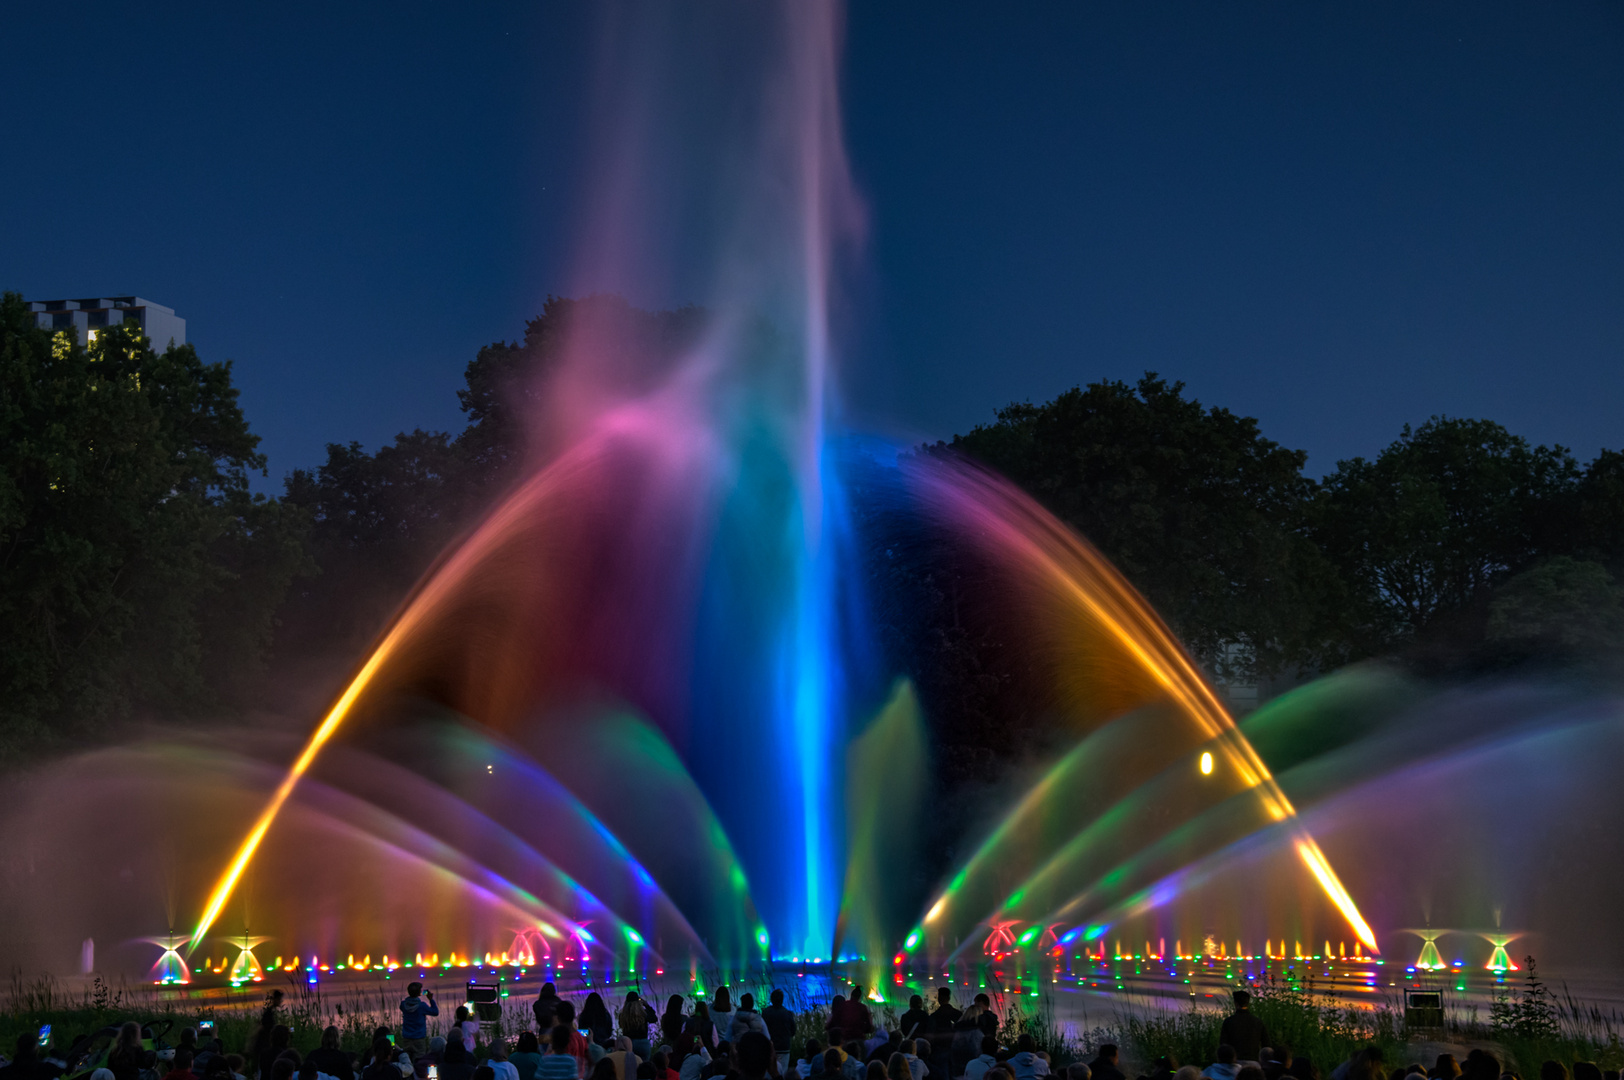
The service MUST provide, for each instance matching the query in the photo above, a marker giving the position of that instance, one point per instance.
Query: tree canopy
(1203, 514)
(124, 507)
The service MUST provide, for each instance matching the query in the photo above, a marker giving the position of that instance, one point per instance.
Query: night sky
(1336, 218)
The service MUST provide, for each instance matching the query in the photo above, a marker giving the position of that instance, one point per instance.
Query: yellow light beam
(1321, 869)
(335, 716)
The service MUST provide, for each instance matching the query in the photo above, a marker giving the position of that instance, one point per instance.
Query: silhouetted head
(747, 1002)
(1226, 1054)
(755, 1053)
(943, 995)
(1242, 999)
(777, 997)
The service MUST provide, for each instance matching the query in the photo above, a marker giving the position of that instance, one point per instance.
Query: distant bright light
(1206, 763)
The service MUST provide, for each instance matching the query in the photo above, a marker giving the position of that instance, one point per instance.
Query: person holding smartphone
(414, 1020)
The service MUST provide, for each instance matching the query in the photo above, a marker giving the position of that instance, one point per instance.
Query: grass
(1528, 1026)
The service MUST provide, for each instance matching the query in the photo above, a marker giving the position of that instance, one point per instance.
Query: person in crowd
(1025, 1062)
(286, 1069)
(1162, 1068)
(260, 1041)
(334, 1062)
(1586, 1070)
(853, 1062)
(986, 1019)
(1244, 1031)
(811, 1059)
(858, 1023)
(181, 1067)
(874, 1070)
(503, 1068)
(1224, 1068)
(836, 1023)
(695, 1063)
(672, 1020)
(721, 1013)
(662, 1066)
(830, 1067)
(545, 1008)
(596, 1021)
(1104, 1065)
(698, 1033)
(634, 1025)
(604, 1069)
(780, 1024)
(280, 1035)
(940, 1032)
(238, 1066)
(526, 1056)
(754, 1053)
(456, 1063)
(896, 1067)
(1366, 1064)
(1078, 1070)
(218, 1068)
(966, 1044)
(882, 1050)
(560, 1062)
(127, 1056)
(1445, 1068)
(414, 1024)
(1481, 1065)
(1552, 1070)
(1277, 1062)
(917, 1068)
(381, 1060)
(1249, 1071)
(484, 1072)
(623, 1059)
(465, 1028)
(746, 1019)
(580, 1046)
(986, 1059)
(913, 1021)
(26, 1063)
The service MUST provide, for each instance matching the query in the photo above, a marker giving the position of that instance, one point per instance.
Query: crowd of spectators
(716, 1040)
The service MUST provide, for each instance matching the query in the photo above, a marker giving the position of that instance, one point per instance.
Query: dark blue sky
(1337, 218)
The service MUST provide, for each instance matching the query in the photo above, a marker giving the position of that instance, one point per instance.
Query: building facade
(85, 317)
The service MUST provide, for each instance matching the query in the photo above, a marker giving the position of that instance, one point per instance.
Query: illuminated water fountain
(642, 722)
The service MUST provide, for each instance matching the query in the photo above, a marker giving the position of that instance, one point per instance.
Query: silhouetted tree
(136, 569)
(1441, 516)
(1199, 511)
